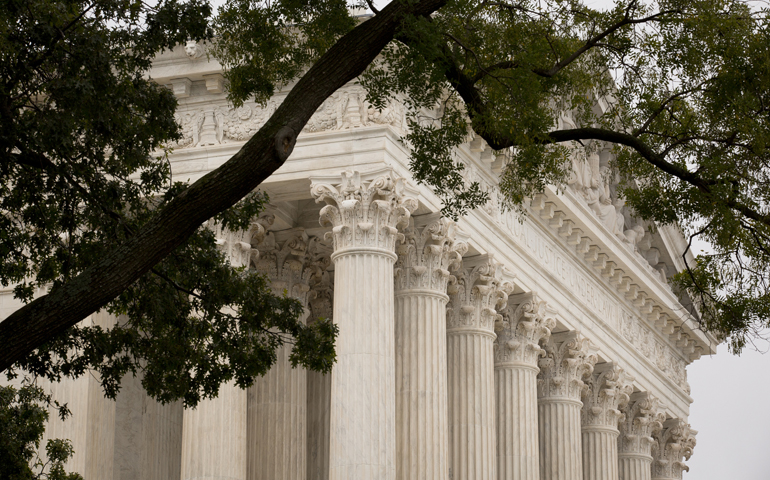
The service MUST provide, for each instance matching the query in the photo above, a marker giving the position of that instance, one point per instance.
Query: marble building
(493, 348)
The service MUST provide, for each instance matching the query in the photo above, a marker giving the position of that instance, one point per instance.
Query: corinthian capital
(480, 290)
(674, 442)
(569, 359)
(427, 254)
(643, 417)
(526, 322)
(289, 263)
(609, 390)
(238, 245)
(364, 212)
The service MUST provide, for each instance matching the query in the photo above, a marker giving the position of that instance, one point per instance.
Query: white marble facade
(492, 348)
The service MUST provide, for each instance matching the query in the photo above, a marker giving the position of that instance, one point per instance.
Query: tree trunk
(51, 314)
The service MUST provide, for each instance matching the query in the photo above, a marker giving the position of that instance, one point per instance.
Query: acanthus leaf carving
(427, 254)
(364, 213)
(643, 417)
(609, 390)
(674, 443)
(238, 246)
(526, 322)
(289, 263)
(480, 290)
(569, 359)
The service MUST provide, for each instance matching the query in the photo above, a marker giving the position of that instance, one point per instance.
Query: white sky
(731, 415)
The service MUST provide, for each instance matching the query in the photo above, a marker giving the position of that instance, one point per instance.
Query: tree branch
(591, 42)
(655, 159)
(64, 306)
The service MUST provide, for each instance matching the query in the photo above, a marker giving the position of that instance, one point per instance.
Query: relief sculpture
(345, 109)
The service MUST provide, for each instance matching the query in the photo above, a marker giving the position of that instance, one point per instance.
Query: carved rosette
(364, 214)
(426, 256)
(674, 442)
(526, 322)
(569, 359)
(239, 246)
(608, 390)
(480, 290)
(643, 417)
(289, 263)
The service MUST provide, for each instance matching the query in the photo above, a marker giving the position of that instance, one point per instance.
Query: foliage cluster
(84, 149)
(24, 411)
(679, 88)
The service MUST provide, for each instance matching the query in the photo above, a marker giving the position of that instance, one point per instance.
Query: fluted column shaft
(517, 430)
(319, 388)
(214, 437)
(609, 389)
(364, 215)
(569, 359)
(162, 429)
(635, 467)
(421, 385)
(363, 413)
(425, 257)
(560, 442)
(277, 402)
(600, 453)
(277, 422)
(214, 434)
(471, 404)
(480, 290)
(526, 322)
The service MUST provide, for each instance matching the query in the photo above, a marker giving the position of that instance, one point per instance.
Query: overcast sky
(732, 415)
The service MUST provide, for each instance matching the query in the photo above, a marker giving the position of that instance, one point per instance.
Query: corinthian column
(471, 317)
(277, 402)
(364, 216)
(608, 390)
(319, 386)
(569, 360)
(422, 274)
(214, 433)
(644, 417)
(674, 442)
(526, 322)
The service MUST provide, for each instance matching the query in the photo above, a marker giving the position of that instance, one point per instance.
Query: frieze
(218, 124)
(547, 254)
(664, 358)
